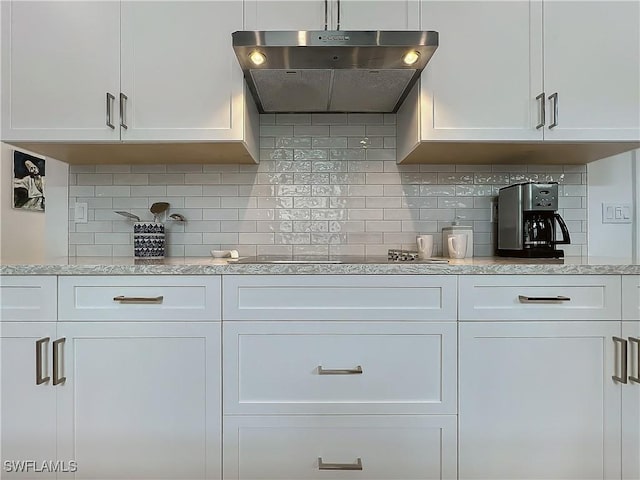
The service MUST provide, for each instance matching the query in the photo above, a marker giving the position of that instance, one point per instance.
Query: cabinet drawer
(340, 297)
(32, 298)
(539, 297)
(297, 367)
(389, 447)
(140, 298)
(631, 297)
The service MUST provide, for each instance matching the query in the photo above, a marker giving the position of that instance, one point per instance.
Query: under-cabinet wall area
(325, 184)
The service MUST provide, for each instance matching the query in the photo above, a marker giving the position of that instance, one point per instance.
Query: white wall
(33, 236)
(22, 231)
(611, 180)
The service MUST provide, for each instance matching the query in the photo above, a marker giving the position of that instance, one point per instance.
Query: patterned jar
(148, 240)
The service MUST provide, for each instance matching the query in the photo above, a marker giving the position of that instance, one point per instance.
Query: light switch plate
(80, 213)
(616, 213)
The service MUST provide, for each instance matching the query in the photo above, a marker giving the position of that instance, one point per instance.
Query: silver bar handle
(636, 379)
(58, 345)
(326, 14)
(554, 109)
(123, 102)
(39, 361)
(623, 360)
(340, 466)
(540, 99)
(123, 299)
(527, 299)
(338, 16)
(110, 99)
(339, 371)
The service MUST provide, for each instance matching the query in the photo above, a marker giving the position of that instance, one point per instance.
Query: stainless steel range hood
(332, 71)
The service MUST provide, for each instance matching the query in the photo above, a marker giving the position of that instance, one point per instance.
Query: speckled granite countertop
(350, 266)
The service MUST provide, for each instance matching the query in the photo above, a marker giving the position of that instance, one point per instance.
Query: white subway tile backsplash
(130, 179)
(202, 178)
(220, 214)
(326, 184)
(201, 226)
(113, 238)
(114, 168)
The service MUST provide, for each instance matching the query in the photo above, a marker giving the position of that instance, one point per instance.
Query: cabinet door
(28, 410)
(631, 404)
(59, 61)
(482, 81)
(377, 15)
(591, 56)
(179, 72)
(286, 14)
(537, 400)
(141, 400)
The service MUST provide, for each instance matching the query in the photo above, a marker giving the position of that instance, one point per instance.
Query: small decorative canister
(148, 240)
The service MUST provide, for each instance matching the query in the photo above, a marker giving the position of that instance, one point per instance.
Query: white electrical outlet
(616, 213)
(80, 214)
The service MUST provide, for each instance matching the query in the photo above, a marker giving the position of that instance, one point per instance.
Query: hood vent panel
(332, 71)
(294, 91)
(368, 90)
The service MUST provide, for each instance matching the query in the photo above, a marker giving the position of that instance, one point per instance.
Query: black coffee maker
(527, 221)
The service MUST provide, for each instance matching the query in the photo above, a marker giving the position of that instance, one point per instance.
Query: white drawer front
(530, 297)
(631, 297)
(389, 447)
(297, 367)
(32, 298)
(339, 297)
(183, 298)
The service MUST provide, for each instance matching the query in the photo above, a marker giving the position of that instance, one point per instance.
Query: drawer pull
(123, 299)
(57, 379)
(623, 360)
(340, 466)
(39, 361)
(636, 379)
(559, 298)
(339, 371)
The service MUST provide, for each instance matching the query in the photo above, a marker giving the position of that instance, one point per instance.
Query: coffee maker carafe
(527, 221)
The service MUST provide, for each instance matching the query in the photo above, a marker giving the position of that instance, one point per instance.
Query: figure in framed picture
(28, 181)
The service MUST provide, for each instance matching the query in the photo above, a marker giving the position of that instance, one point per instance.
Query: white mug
(457, 245)
(425, 246)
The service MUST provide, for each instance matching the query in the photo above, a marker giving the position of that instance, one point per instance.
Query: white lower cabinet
(140, 400)
(537, 400)
(631, 404)
(371, 447)
(27, 404)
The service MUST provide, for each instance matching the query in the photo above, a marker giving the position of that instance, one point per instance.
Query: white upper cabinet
(482, 81)
(377, 15)
(123, 71)
(179, 73)
(538, 72)
(335, 14)
(59, 62)
(285, 15)
(591, 58)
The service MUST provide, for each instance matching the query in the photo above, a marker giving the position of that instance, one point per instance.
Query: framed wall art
(28, 182)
